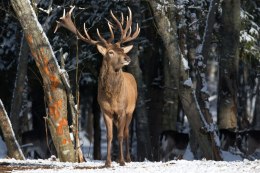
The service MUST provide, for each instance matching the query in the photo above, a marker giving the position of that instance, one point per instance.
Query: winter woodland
(196, 65)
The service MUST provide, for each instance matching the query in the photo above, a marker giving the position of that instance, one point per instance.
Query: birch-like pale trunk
(14, 150)
(55, 93)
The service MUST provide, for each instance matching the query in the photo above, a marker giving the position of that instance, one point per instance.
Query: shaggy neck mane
(110, 80)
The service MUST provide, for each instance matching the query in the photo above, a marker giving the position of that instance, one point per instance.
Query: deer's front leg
(126, 136)
(121, 127)
(109, 125)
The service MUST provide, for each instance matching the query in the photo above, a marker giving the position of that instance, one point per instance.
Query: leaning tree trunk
(54, 90)
(192, 42)
(14, 150)
(186, 92)
(201, 71)
(229, 58)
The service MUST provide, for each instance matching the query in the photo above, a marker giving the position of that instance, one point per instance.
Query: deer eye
(111, 53)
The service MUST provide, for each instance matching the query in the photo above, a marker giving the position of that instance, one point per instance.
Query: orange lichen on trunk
(65, 141)
(29, 39)
(54, 109)
(63, 122)
(53, 78)
(55, 105)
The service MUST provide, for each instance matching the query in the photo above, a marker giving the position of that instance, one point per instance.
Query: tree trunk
(228, 72)
(55, 94)
(14, 150)
(201, 71)
(256, 120)
(19, 85)
(186, 92)
(207, 37)
(141, 116)
(170, 96)
(97, 128)
(73, 111)
(193, 40)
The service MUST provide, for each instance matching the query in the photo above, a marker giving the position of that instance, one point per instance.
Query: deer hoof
(128, 159)
(108, 164)
(122, 163)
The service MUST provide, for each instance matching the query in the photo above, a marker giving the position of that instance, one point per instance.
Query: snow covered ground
(232, 164)
(180, 166)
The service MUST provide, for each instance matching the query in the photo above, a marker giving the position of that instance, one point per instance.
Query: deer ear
(127, 48)
(102, 49)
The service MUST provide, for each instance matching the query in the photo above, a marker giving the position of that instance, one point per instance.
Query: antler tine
(130, 38)
(118, 23)
(128, 21)
(89, 39)
(66, 22)
(122, 19)
(127, 31)
(102, 38)
(110, 26)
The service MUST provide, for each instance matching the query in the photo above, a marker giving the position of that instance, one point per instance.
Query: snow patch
(205, 89)
(253, 31)
(3, 148)
(182, 166)
(185, 63)
(244, 36)
(188, 82)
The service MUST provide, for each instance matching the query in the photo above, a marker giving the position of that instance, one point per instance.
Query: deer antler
(66, 22)
(126, 33)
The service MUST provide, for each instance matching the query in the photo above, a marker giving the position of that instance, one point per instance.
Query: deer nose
(127, 59)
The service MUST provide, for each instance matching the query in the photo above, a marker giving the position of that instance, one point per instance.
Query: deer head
(113, 53)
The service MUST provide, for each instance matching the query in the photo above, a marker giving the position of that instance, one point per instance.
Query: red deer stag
(117, 90)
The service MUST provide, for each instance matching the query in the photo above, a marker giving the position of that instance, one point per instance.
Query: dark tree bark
(256, 120)
(21, 74)
(186, 92)
(152, 68)
(248, 112)
(192, 42)
(229, 58)
(141, 116)
(14, 150)
(97, 129)
(207, 37)
(170, 96)
(54, 90)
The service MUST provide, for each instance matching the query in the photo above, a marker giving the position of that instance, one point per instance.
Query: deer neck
(110, 81)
